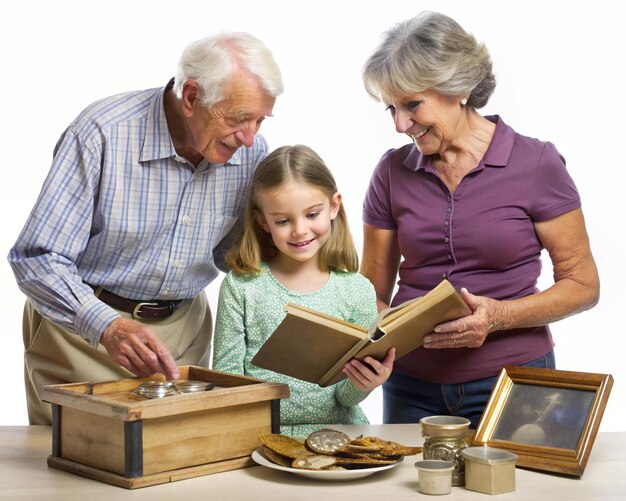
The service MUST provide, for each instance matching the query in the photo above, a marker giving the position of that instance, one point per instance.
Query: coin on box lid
(193, 386)
(156, 389)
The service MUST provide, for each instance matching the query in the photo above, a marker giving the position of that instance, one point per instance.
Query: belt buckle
(139, 306)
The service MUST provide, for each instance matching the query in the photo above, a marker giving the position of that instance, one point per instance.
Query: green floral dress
(249, 310)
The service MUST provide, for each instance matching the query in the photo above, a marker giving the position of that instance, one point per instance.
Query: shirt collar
(157, 142)
(497, 154)
(501, 147)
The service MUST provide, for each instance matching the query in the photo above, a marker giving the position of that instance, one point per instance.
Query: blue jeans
(407, 400)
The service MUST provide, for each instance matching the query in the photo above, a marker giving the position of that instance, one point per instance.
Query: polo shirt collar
(157, 142)
(501, 147)
(497, 154)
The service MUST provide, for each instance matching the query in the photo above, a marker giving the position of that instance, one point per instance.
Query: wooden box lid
(115, 399)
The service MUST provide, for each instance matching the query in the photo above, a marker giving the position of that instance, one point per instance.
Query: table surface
(24, 474)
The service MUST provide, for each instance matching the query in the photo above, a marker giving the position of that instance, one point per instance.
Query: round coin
(327, 441)
(313, 462)
(156, 389)
(193, 386)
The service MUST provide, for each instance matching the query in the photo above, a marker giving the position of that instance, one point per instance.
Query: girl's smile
(298, 217)
(301, 245)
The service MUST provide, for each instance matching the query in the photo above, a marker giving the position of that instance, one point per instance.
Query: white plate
(258, 458)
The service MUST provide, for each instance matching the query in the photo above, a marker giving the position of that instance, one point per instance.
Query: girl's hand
(367, 377)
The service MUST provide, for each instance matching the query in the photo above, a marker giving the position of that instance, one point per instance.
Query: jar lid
(489, 455)
(434, 465)
(444, 426)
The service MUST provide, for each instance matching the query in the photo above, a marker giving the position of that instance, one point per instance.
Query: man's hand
(136, 347)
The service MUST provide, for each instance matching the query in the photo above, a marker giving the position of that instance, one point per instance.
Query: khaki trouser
(54, 356)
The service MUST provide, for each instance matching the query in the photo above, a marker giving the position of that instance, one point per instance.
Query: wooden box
(106, 432)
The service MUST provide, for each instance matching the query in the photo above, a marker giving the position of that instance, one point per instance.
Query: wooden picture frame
(549, 418)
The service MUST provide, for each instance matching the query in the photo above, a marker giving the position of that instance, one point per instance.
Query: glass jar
(444, 439)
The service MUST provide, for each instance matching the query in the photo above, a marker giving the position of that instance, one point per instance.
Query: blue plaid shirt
(120, 209)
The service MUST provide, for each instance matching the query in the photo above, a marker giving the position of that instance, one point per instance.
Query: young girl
(296, 248)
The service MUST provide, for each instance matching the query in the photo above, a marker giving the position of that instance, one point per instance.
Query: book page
(413, 307)
(322, 318)
(386, 316)
(407, 325)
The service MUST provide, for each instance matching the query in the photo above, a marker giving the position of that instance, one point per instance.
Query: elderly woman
(472, 201)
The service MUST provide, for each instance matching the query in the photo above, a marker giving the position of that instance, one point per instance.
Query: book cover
(307, 344)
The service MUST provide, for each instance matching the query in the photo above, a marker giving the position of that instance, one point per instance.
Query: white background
(559, 66)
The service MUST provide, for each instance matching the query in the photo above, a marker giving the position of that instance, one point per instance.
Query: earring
(463, 102)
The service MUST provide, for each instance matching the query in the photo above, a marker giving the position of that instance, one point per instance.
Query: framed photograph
(549, 418)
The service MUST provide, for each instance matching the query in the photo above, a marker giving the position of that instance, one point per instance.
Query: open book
(314, 347)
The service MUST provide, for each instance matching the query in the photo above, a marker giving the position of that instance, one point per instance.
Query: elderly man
(142, 199)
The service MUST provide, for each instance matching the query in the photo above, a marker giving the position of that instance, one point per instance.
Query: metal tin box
(489, 470)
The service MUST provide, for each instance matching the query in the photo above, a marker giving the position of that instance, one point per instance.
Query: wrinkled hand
(137, 348)
(367, 378)
(467, 332)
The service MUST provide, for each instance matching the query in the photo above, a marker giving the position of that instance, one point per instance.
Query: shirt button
(178, 263)
(449, 210)
(185, 219)
(446, 240)
(443, 275)
(180, 159)
(165, 292)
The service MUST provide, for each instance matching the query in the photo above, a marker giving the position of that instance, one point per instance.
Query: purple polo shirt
(481, 237)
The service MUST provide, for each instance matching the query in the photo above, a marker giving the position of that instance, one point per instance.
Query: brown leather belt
(143, 310)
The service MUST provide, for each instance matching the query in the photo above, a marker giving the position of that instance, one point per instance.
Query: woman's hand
(470, 331)
(367, 377)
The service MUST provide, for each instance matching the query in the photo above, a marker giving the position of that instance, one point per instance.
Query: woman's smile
(421, 133)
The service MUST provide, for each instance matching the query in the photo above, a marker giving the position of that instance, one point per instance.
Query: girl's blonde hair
(300, 164)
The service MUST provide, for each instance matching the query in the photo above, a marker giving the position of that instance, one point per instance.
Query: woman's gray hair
(430, 51)
(212, 60)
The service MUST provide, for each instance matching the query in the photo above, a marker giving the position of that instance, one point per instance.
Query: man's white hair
(211, 62)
